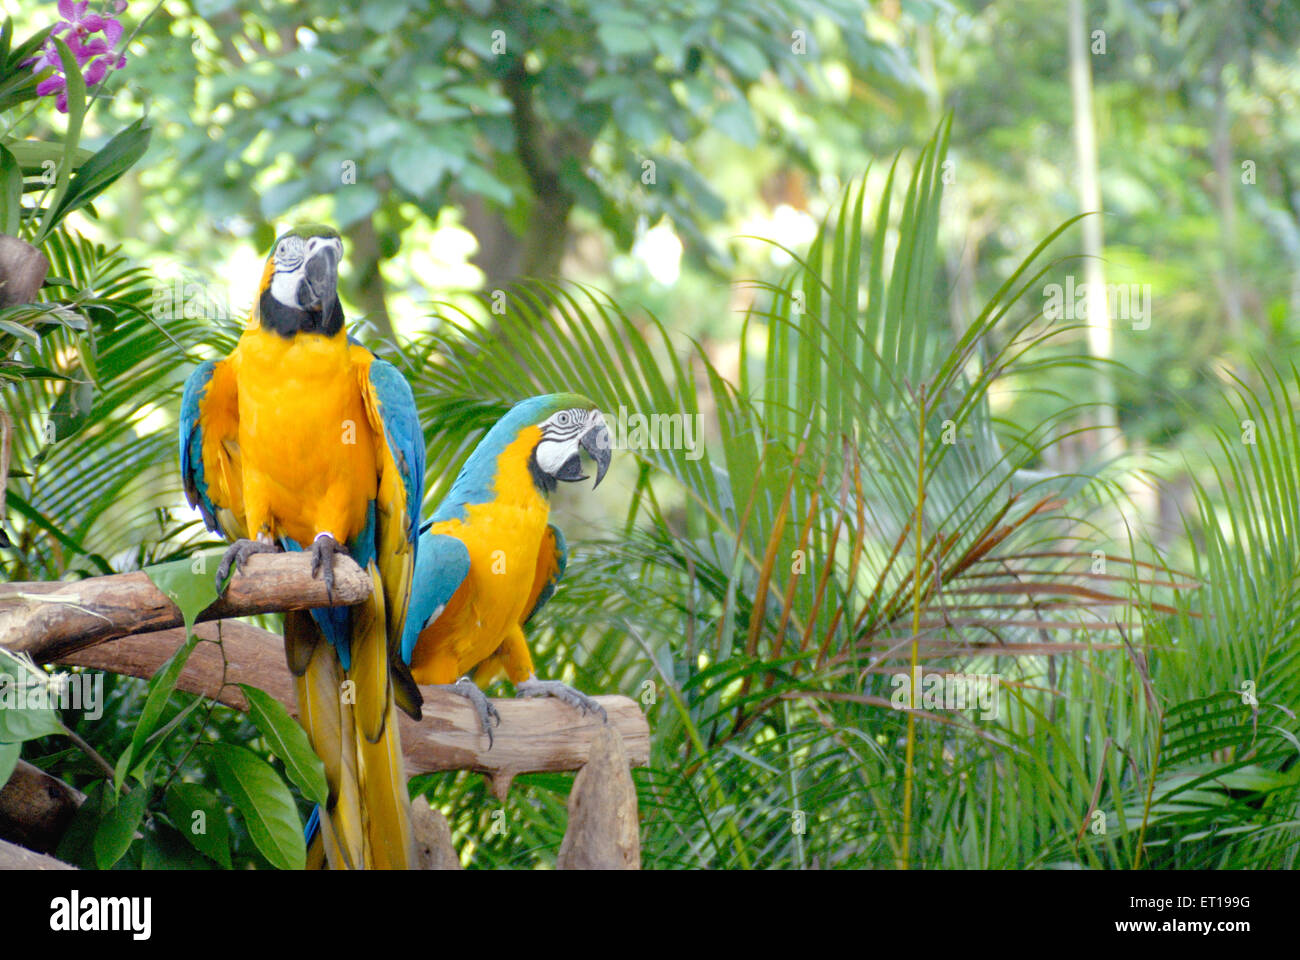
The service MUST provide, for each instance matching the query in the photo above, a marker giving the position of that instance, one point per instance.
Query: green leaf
(121, 767)
(288, 741)
(18, 85)
(158, 739)
(477, 180)
(354, 202)
(100, 172)
(76, 844)
(209, 832)
(18, 720)
(419, 167)
(736, 120)
(624, 40)
(11, 193)
(161, 688)
(70, 412)
(32, 154)
(485, 100)
(117, 829)
(188, 583)
(28, 47)
(279, 197)
(743, 57)
(165, 849)
(9, 753)
(265, 802)
(26, 510)
(17, 330)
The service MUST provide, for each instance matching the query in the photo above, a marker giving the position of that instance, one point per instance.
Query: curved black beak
(597, 443)
(320, 283)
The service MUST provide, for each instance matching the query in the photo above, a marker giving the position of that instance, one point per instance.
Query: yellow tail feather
(368, 820)
(384, 800)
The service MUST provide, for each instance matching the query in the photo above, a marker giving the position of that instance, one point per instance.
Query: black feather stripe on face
(288, 321)
(544, 482)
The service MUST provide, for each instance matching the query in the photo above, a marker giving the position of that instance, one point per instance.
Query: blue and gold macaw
(301, 439)
(489, 559)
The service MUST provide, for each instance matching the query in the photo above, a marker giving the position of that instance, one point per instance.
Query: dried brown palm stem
(859, 547)
(759, 610)
(909, 759)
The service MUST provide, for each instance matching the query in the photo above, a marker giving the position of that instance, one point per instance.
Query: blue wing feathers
(402, 430)
(441, 566)
(191, 437)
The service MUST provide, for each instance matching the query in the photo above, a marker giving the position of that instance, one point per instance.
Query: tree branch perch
(535, 735)
(51, 620)
(124, 624)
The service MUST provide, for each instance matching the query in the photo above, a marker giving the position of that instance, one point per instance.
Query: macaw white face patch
(561, 433)
(290, 255)
(284, 286)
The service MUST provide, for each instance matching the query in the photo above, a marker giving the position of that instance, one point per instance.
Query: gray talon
(237, 555)
(467, 688)
(323, 549)
(532, 687)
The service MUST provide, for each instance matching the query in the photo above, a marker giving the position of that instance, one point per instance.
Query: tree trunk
(367, 284)
(504, 255)
(1100, 341)
(1225, 198)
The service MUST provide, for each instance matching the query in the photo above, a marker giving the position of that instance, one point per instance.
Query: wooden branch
(256, 658)
(433, 846)
(51, 620)
(22, 271)
(14, 857)
(36, 808)
(535, 735)
(603, 825)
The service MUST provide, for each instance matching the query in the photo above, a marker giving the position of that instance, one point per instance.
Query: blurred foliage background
(834, 230)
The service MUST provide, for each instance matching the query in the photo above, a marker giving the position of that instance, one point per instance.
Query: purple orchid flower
(94, 54)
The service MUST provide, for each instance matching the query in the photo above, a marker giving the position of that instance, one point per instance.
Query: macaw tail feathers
(386, 805)
(351, 720)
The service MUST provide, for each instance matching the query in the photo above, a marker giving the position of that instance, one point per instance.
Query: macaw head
(539, 442)
(299, 292)
(568, 425)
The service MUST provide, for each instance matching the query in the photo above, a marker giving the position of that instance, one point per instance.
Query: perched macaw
(489, 559)
(302, 439)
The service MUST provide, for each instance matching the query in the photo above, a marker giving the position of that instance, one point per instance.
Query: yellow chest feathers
(308, 451)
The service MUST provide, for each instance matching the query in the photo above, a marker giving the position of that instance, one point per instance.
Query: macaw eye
(562, 419)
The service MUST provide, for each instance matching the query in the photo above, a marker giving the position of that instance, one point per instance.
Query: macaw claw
(323, 549)
(237, 555)
(467, 688)
(532, 687)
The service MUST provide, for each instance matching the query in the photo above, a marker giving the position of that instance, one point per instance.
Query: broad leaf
(9, 754)
(117, 829)
(188, 583)
(11, 193)
(265, 802)
(161, 688)
(289, 742)
(201, 819)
